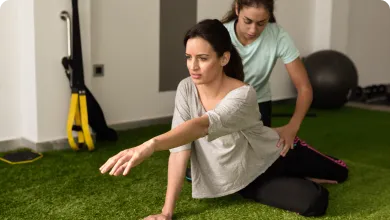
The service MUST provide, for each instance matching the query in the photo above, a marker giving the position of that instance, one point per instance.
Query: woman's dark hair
(215, 33)
(267, 4)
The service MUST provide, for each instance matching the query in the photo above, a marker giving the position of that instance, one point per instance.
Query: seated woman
(216, 122)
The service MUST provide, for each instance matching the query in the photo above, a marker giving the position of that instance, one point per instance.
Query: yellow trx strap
(78, 121)
(78, 112)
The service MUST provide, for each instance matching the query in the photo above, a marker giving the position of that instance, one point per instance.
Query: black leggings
(266, 112)
(285, 185)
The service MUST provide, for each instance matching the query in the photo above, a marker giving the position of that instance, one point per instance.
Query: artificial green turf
(68, 185)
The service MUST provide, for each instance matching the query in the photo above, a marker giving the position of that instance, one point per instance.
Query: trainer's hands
(158, 217)
(287, 135)
(122, 162)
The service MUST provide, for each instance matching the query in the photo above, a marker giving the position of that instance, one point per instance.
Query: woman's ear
(225, 58)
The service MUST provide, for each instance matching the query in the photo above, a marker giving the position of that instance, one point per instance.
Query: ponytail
(231, 15)
(234, 68)
(272, 18)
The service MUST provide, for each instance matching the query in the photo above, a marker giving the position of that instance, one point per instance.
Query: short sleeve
(238, 111)
(181, 112)
(286, 50)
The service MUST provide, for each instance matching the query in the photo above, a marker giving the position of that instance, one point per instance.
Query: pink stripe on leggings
(303, 143)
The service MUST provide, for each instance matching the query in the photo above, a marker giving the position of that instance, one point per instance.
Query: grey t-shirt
(237, 149)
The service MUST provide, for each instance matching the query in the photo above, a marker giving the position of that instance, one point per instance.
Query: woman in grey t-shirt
(216, 123)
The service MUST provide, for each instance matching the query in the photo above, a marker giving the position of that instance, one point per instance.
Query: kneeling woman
(216, 123)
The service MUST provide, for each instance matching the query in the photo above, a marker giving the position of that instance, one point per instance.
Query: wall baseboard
(10, 145)
(15, 144)
(141, 123)
(62, 144)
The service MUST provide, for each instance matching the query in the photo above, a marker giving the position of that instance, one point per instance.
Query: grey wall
(176, 17)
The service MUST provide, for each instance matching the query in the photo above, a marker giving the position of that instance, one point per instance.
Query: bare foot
(322, 181)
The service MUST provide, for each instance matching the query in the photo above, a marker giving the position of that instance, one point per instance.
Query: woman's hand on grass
(158, 217)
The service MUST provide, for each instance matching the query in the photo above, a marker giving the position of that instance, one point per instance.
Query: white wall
(340, 18)
(28, 86)
(52, 87)
(215, 9)
(125, 38)
(9, 73)
(369, 40)
(322, 24)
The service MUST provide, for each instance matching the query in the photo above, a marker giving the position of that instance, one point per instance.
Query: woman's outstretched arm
(183, 134)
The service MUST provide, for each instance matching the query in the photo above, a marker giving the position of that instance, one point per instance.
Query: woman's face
(203, 63)
(251, 22)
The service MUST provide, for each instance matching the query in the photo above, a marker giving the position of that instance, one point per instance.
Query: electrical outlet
(98, 70)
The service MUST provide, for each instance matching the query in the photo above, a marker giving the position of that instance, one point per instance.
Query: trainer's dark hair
(267, 4)
(215, 33)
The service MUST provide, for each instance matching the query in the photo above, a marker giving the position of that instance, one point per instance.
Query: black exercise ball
(332, 75)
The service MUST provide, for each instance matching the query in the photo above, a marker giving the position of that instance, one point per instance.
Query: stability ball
(332, 75)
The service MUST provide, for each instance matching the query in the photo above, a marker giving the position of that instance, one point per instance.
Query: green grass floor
(68, 185)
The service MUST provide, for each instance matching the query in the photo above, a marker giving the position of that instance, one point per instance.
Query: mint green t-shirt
(259, 57)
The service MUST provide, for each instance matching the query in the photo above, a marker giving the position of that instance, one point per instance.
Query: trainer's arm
(302, 84)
